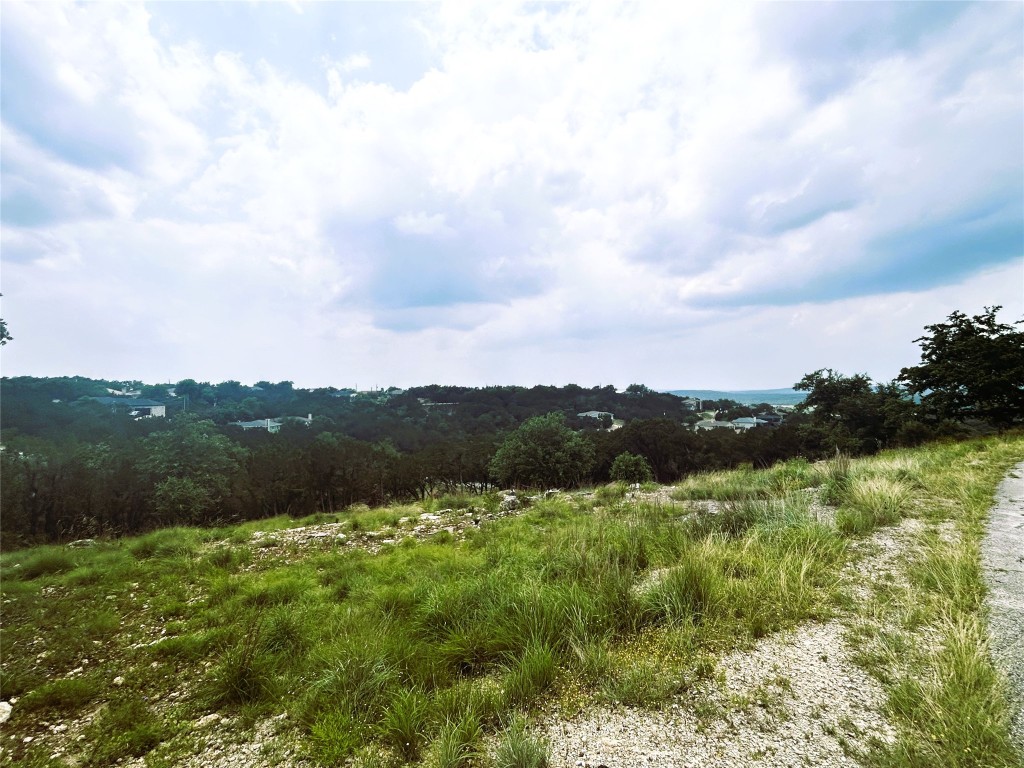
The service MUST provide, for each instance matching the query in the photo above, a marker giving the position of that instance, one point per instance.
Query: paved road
(1003, 560)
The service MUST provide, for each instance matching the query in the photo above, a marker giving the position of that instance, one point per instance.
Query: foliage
(971, 368)
(851, 414)
(543, 453)
(630, 468)
(73, 469)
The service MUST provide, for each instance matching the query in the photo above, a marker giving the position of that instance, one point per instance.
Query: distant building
(271, 425)
(748, 422)
(707, 424)
(138, 407)
(596, 415)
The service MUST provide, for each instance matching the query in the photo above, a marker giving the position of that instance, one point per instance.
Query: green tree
(5, 336)
(630, 468)
(193, 468)
(849, 413)
(971, 368)
(543, 452)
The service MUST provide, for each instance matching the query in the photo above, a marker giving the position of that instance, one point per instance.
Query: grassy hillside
(432, 633)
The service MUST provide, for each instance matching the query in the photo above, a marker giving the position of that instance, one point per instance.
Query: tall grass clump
(530, 675)
(835, 478)
(49, 561)
(870, 502)
(404, 726)
(956, 714)
(687, 594)
(166, 543)
(519, 748)
(66, 695)
(949, 571)
(459, 743)
(126, 728)
(246, 673)
(747, 483)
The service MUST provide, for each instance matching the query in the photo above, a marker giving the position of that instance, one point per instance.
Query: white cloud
(570, 188)
(355, 62)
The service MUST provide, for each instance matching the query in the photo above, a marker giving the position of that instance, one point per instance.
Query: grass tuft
(127, 728)
(519, 748)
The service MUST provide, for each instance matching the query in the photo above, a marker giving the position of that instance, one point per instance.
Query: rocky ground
(794, 699)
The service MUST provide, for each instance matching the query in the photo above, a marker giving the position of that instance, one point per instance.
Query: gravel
(795, 699)
(1003, 561)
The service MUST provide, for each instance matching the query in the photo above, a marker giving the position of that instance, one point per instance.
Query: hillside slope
(828, 613)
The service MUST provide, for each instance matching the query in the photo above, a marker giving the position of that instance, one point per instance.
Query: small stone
(5, 711)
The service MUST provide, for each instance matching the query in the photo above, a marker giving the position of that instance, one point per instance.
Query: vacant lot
(823, 614)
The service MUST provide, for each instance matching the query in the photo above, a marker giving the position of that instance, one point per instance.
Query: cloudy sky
(391, 194)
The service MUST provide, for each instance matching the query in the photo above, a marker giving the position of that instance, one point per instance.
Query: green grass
(519, 748)
(435, 652)
(126, 728)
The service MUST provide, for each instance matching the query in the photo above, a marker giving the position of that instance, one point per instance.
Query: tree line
(72, 468)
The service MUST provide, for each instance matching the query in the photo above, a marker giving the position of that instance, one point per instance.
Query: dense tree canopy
(544, 453)
(74, 466)
(971, 368)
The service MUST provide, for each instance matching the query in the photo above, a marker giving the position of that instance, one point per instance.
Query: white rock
(5, 711)
(208, 720)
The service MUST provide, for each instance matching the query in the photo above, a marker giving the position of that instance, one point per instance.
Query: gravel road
(1003, 559)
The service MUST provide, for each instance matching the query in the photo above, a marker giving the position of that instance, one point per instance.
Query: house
(706, 424)
(138, 407)
(126, 392)
(271, 425)
(748, 422)
(596, 415)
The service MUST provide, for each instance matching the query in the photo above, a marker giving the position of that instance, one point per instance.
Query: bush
(630, 468)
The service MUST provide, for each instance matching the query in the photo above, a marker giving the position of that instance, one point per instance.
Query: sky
(364, 195)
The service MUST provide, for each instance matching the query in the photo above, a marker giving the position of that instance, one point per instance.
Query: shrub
(630, 468)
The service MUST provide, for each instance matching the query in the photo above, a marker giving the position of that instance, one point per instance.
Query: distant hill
(785, 396)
